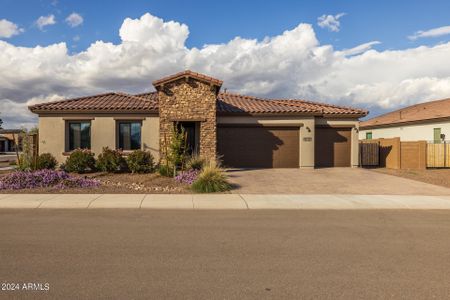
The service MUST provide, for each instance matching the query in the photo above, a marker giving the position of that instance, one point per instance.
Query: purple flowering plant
(188, 176)
(44, 178)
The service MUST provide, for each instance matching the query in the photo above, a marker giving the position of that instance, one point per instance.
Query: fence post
(445, 154)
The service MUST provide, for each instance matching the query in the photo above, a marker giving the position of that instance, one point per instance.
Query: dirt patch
(439, 177)
(118, 184)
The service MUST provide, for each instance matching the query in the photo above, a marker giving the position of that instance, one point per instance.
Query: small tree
(25, 159)
(176, 150)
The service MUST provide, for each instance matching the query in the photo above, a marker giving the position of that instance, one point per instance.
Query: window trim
(127, 121)
(67, 133)
(439, 140)
(367, 135)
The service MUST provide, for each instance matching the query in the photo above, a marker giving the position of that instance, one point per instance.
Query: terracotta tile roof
(234, 103)
(151, 96)
(99, 103)
(226, 103)
(412, 114)
(325, 108)
(188, 73)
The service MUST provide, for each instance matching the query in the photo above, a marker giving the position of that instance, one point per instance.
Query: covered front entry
(244, 146)
(333, 147)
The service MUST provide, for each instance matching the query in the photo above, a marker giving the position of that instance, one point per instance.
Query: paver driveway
(327, 181)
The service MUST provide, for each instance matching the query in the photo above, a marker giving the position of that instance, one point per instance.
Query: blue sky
(378, 55)
(389, 22)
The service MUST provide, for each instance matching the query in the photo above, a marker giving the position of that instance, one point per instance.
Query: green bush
(111, 161)
(140, 162)
(80, 161)
(165, 170)
(195, 162)
(46, 161)
(211, 180)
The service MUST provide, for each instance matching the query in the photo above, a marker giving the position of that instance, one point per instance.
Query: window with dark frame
(79, 135)
(129, 135)
(368, 135)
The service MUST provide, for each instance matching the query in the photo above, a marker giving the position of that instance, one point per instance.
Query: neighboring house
(244, 131)
(8, 139)
(428, 121)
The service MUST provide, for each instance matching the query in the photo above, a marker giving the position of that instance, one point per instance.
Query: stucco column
(307, 144)
(354, 159)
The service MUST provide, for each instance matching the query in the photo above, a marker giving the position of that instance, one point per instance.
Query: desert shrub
(80, 161)
(111, 161)
(43, 178)
(195, 162)
(46, 161)
(165, 170)
(140, 162)
(188, 176)
(212, 179)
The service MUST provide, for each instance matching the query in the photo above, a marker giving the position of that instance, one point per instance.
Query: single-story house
(244, 131)
(9, 138)
(429, 121)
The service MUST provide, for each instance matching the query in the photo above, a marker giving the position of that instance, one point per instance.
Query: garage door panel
(333, 147)
(259, 147)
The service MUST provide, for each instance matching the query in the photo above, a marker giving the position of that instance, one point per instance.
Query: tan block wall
(52, 134)
(306, 124)
(189, 100)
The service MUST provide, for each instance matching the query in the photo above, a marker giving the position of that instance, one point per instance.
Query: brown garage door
(333, 147)
(259, 147)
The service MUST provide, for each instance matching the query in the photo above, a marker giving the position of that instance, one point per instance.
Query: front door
(192, 137)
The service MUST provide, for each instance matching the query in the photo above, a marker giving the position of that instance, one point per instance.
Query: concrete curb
(220, 201)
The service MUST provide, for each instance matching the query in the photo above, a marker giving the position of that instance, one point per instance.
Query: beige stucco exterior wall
(354, 124)
(306, 124)
(52, 133)
(52, 136)
(414, 132)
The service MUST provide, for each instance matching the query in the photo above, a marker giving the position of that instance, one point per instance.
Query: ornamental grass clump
(195, 162)
(188, 176)
(212, 179)
(42, 179)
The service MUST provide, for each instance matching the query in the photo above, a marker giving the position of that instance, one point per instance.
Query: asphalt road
(120, 254)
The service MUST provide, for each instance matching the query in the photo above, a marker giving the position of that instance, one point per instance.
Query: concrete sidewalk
(221, 201)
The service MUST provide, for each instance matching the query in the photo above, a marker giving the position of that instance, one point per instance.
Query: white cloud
(74, 20)
(435, 32)
(44, 21)
(331, 22)
(9, 29)
(359, 49)
(293, 64)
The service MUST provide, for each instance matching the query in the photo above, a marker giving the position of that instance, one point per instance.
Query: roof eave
(87, 112)
(395, 124)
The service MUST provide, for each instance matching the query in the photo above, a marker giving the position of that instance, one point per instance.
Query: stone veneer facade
(188, 99)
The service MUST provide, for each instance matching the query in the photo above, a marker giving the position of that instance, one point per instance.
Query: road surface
(145, 254)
